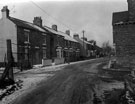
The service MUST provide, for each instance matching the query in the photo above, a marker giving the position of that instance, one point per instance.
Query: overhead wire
(52, 16)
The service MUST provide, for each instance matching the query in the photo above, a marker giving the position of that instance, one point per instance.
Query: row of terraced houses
(40, 44)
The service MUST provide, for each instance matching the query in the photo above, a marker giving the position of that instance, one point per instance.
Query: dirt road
(75, 84)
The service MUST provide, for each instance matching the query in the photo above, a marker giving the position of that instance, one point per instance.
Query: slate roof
(67, 37)
(51, 30)
(86, 42)
(120, 17)
(25, 24)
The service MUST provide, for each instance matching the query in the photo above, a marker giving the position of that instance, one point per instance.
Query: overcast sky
(93, 16)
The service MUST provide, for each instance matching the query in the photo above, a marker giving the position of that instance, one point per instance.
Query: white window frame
(28, 33)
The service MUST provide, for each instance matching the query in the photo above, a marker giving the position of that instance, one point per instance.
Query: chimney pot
(67, 32)
(37, 21)
(54, 27)
(76, 36)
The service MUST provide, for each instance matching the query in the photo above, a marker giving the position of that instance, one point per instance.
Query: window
(58, 40)
(44, 40)
(65, 43)
(26, 35)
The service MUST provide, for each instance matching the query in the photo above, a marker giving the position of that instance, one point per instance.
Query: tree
(107, 49)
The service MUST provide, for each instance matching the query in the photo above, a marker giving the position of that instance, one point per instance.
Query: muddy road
(75, 84)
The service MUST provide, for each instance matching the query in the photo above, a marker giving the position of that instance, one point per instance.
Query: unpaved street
(75, 84)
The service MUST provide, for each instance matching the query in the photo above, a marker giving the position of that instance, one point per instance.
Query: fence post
(8, 72)
(10, 60)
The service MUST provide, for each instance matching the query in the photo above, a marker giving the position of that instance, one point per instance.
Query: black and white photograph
(67, 51)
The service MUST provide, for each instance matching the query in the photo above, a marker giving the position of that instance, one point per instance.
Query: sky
(93, 16)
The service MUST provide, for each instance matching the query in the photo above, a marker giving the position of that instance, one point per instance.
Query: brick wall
(131, 9)
(36, 40)
(124, 38)
(53, 45)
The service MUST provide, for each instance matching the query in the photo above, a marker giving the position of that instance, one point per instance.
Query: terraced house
(34, 43)
(63, 46)
(85, 46)
(28, 40)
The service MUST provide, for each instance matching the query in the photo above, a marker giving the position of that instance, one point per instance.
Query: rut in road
(72, 85)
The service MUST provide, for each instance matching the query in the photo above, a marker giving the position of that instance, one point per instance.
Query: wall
(53, 45)
(7, 31)
(36, 39)
(83, 51)
(124, 38)
(59, 61)
(47, 62)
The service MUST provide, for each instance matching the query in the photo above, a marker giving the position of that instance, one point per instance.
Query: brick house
(35, 43)
(56, 44)
(29, 41)
(63, 45)
(71, 47)
(85, 46)
(124, 31)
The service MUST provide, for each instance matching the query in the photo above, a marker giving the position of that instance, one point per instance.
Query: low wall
(46, 62)
(59, 61)
(126, 60)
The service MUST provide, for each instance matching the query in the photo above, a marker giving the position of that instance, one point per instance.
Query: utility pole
(83, 41)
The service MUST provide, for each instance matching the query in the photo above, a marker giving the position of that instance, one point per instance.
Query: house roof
(98, 48)
(67, 37)
(86, 42)
(51, 30)
(25, 24)
(120, 17)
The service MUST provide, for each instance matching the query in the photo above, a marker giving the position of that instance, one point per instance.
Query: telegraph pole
(83, 41)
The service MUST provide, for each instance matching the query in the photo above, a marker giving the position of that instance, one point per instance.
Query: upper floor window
(44, 39)
(26, 35)
(44, 53)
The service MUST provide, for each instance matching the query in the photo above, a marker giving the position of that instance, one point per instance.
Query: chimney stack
(76, 36)
(37, 21)
(5, 12)
(131, 9)
(67, 32)
(54, 27)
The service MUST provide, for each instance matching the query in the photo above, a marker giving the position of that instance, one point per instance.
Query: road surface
(75, 84)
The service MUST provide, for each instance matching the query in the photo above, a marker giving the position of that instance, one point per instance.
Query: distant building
(72, 47)
(85, 46)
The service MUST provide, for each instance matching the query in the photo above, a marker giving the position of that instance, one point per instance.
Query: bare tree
(107, 49)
